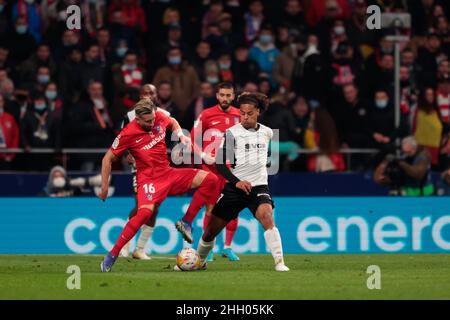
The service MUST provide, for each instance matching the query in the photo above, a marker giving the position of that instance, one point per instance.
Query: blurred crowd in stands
(330, 79)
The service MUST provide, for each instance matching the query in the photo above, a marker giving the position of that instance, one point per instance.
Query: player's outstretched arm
(175, 127)
(106, 173)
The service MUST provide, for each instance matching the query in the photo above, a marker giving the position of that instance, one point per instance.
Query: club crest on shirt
(149, 197)
(158, 128)
(227, 121)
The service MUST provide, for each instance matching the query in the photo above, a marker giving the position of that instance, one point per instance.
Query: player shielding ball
(148, 91)
(206, 136)
(246, 147)
(144, 138)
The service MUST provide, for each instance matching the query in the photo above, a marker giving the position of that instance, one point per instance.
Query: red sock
(130, 229)
(230, 231)
(205, 221)
(206, 194)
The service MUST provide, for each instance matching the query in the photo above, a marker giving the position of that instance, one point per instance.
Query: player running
(246, 147)
(148, 91)
(144, 137)
(206, 136)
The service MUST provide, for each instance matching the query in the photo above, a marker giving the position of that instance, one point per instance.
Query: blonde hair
(143, 107)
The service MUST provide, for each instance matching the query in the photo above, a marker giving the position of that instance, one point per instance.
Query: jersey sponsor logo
(154, 142)
(215, 123)
(254, 146)
(139, 140)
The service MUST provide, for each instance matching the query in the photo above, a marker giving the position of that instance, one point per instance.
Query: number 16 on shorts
(149, 190)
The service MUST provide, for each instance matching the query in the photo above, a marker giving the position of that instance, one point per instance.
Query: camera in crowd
(393, 171)
(59, 184)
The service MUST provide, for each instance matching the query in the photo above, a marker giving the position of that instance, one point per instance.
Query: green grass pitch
(403, 276)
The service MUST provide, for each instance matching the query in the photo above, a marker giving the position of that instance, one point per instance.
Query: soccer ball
(188, 259)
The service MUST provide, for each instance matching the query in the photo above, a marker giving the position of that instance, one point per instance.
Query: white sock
(273, 241)
(146, 233)
(204, 248)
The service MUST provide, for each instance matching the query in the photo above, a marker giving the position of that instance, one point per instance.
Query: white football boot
(140, 255)
(281, 267)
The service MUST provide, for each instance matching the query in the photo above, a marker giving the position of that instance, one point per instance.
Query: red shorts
(212, 169)
(172, 182)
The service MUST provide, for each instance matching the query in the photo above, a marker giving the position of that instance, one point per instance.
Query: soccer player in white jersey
(246, 147)
(148, 91)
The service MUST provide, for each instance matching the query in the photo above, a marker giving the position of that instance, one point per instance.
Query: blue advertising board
(307, 225)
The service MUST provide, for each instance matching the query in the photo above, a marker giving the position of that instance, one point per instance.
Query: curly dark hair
(259, 100)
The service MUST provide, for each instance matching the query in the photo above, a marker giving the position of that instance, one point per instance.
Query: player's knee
(265, 217)
(210, 181)
(145, 213)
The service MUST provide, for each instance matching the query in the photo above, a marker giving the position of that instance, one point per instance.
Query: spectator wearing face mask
(30, 10)
(225, 67)
(264, 51)
(9, 136)
(41, 79)
(40, 128)
(21, 43)
(212, 72)
(121, 47)
(254, 19)
(174, 38)
(27, 70)
(54, 102)
(59, 184)
(128, 78)
(382, 120)
(182, 77)
(91, 125)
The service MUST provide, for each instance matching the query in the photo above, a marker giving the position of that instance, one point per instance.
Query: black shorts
(233, 200)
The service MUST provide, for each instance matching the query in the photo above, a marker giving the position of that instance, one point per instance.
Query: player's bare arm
(175, 127)
(107, 161)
